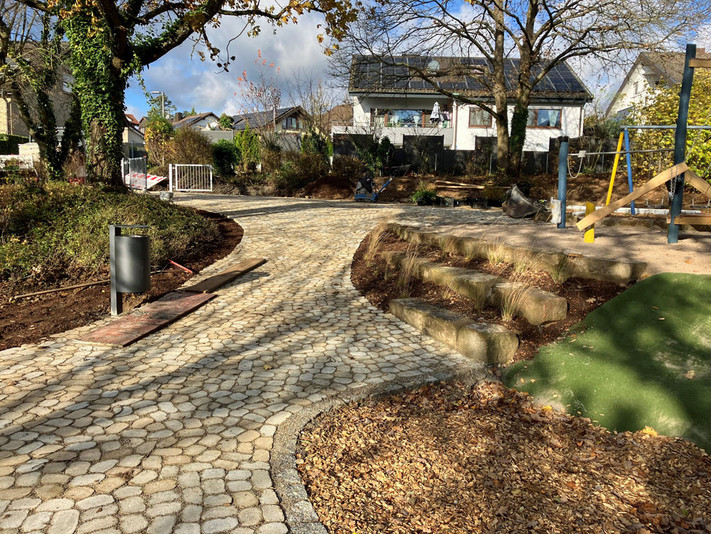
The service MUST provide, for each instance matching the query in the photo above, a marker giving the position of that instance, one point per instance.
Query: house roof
(263, 118)
(371, 75)
(668, 66)
(192, 119)
(131, 119)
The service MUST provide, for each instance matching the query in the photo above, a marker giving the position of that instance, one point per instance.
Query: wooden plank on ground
(699, 62)
(146, 319)
(457, 185)
(698, 183)
(655, 182)
(225, 277)
(691, 218)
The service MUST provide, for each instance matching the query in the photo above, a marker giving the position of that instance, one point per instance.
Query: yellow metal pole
(590, 234)
(614, 168)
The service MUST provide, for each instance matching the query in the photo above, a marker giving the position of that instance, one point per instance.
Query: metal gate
(196, 178)
(134, 173)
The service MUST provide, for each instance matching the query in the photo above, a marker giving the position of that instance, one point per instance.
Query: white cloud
(189, 82)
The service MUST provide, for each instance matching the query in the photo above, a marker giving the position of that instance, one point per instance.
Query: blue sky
(190, 82)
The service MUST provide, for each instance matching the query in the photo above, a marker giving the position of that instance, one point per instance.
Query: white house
(397, 105)
(651, 71)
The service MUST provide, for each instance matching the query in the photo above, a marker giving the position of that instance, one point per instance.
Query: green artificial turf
(641, 359)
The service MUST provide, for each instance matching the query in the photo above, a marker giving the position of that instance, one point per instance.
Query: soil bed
(379, 288)
(32, 319)
(456, 458)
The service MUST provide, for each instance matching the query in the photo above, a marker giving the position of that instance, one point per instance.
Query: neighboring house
(287, 120)
(133, 138)
(201, 121)
(340, 115)
(394, 104)
(651, 71)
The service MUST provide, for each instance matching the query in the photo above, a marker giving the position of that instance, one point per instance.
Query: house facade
(292, 120)
(392, 103)
(650, 72)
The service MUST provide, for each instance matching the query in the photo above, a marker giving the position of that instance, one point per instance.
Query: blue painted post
(562, 178)
(680, 143)
(629, 167)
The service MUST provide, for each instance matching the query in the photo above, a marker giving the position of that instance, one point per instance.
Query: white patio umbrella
(435, 116)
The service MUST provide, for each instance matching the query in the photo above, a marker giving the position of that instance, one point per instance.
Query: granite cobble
(176, 433)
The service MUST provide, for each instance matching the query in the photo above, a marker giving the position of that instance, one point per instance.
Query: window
(478, 117)
(401, 118)
(290, 123)
(544, 118)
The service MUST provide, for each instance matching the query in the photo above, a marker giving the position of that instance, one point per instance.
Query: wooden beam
(698, 62)
(659, 179)
(692, 218)
(698, 183)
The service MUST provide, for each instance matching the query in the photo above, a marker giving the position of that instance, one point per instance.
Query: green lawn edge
(641, 359)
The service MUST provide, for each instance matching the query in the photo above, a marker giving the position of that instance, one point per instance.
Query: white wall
(537, 139)
(639, 89)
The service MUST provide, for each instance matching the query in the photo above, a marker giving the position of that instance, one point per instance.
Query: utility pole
(162, 102)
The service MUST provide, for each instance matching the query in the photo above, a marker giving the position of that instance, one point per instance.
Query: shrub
(189, 146)
(296, 170)
(44, 234)
(247, 143)
(159, 131)
(224, 157)
(423, 195)
(348, 167)
(315, 143)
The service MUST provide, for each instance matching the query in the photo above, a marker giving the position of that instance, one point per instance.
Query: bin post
(121, 278)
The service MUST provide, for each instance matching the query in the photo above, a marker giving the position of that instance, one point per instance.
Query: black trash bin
(133, 263)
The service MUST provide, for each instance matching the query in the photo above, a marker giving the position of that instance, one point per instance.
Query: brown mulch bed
(30, 320)
(456, 458)
(582, 295)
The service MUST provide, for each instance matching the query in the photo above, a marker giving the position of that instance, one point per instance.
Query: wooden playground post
(680, 143)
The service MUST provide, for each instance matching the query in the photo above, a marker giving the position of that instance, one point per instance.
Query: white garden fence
(195, 178)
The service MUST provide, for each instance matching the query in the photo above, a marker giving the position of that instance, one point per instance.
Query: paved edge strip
(301, 517)
(147, 319)
(225, 277)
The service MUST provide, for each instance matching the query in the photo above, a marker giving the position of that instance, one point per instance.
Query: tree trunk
(500, 92)
(100, 84)
(519, 121)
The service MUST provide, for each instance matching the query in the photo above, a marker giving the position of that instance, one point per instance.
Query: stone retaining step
(485, 343)
(535, 305)
(561, 265)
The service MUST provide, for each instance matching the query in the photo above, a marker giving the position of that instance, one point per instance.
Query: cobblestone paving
(175, 433)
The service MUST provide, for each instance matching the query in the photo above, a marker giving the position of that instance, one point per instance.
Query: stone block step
(485, 343)
(535, 305)
(560, 265)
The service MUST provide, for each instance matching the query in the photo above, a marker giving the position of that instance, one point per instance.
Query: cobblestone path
(175, 433)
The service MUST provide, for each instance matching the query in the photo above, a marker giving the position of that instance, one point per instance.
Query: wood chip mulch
(484, 458)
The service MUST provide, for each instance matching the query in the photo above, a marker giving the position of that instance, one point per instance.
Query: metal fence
(195, 178)
(134, 173)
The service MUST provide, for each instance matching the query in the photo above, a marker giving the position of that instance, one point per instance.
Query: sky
(191, 83)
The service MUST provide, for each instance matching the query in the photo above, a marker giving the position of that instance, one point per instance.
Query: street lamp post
(162, 102)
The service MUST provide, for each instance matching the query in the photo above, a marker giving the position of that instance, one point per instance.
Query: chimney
(178, 116)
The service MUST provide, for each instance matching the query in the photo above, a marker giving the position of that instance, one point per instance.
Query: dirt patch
(30, 320)
(452, 458)
(380, 284)
(329, 188)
